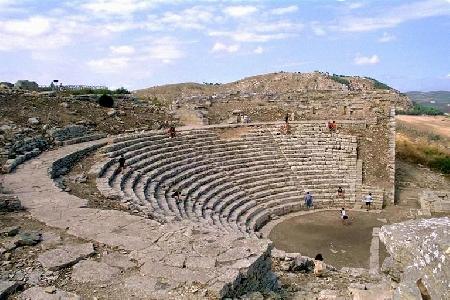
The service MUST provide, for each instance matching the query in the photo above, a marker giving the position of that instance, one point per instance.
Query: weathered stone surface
(118, 260)
(8, 287)
(40, 293)
(50, 240)
(65, 256)
(421, 251)
(92, 271)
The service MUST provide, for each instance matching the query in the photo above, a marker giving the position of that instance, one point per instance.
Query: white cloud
(192, 18)
(395, 16)
(242, 36)
(355, 5)
(115, 7)
(284, 10)
(166, 49)
(220, 47)
(109, 64)
(258, 50)
(366, 60)
(240, 10)
(318, 29)
(32, 26)
(448, 75)
(386, 37)
(122, 50)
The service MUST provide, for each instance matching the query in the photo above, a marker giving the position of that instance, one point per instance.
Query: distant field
(439, 125)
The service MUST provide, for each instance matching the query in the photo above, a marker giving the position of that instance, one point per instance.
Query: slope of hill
(437, 99)
(280, 82)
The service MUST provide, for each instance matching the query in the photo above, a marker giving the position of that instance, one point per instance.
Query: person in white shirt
(344, 217)
(368, 199)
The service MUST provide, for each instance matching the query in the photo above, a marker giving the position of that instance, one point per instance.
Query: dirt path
(436, 124)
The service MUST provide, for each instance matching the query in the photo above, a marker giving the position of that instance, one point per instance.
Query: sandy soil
(322, 232)
(436, 124)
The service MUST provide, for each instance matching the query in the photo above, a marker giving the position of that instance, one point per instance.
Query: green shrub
(419, 109)
(340, 79)
(121, 91)
(106, 101)
(379, 85)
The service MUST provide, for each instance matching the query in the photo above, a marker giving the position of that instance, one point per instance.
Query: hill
(280, 82)
(437, 99)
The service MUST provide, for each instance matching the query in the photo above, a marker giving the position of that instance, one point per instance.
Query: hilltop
(281, 82)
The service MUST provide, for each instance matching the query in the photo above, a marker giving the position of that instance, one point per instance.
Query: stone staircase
(236, 185)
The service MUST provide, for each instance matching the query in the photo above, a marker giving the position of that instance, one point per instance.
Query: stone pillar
(390, 192)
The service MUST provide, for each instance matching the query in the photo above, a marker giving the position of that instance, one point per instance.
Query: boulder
(33, 121)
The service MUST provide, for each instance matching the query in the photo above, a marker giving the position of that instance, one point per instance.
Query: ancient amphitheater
(232, 180)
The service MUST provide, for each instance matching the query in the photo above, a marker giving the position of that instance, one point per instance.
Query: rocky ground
(31, 117)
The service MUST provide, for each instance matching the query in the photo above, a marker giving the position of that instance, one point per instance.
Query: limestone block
(65, 256)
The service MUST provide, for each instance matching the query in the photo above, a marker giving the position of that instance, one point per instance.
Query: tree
(106, 101)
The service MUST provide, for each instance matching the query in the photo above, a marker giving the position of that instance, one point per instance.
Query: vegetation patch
(420, 109)
(424, 152)
(340, 79)
(379, 85)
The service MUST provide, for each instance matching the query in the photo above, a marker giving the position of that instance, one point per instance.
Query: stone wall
(434, 202)
(369, 115)
(419, 264)
(63, 165)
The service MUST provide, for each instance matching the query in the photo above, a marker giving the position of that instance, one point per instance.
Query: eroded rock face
(420, 251)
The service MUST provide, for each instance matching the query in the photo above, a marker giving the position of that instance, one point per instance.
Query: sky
(138, 44)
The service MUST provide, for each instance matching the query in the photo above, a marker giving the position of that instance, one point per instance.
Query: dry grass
(423, 151)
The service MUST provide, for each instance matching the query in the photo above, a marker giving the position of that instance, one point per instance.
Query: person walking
(344, 217)
(121, 163)
(308, 200)
(368, 199)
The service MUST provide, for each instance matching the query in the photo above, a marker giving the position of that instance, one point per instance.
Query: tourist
(172, 131)
(286, 118)
(177, 195)
(340, 193)
(368, 199)
(308, 200)
(344, 217)
(319, 266)
(121, 164)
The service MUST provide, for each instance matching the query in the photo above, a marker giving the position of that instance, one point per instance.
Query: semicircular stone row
(238, 185)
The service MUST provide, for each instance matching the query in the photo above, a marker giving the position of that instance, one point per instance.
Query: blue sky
(136, 43)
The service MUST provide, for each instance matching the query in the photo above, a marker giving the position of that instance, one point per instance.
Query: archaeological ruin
(192, 207)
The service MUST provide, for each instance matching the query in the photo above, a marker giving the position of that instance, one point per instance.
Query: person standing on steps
(308, 200)
(121, 163)
(340, 193)
(286, 118)
(172, 131)
(368, 199)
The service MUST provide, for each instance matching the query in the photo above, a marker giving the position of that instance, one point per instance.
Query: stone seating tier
(236, 185)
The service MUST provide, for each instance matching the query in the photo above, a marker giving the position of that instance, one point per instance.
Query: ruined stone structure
(419, 261)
